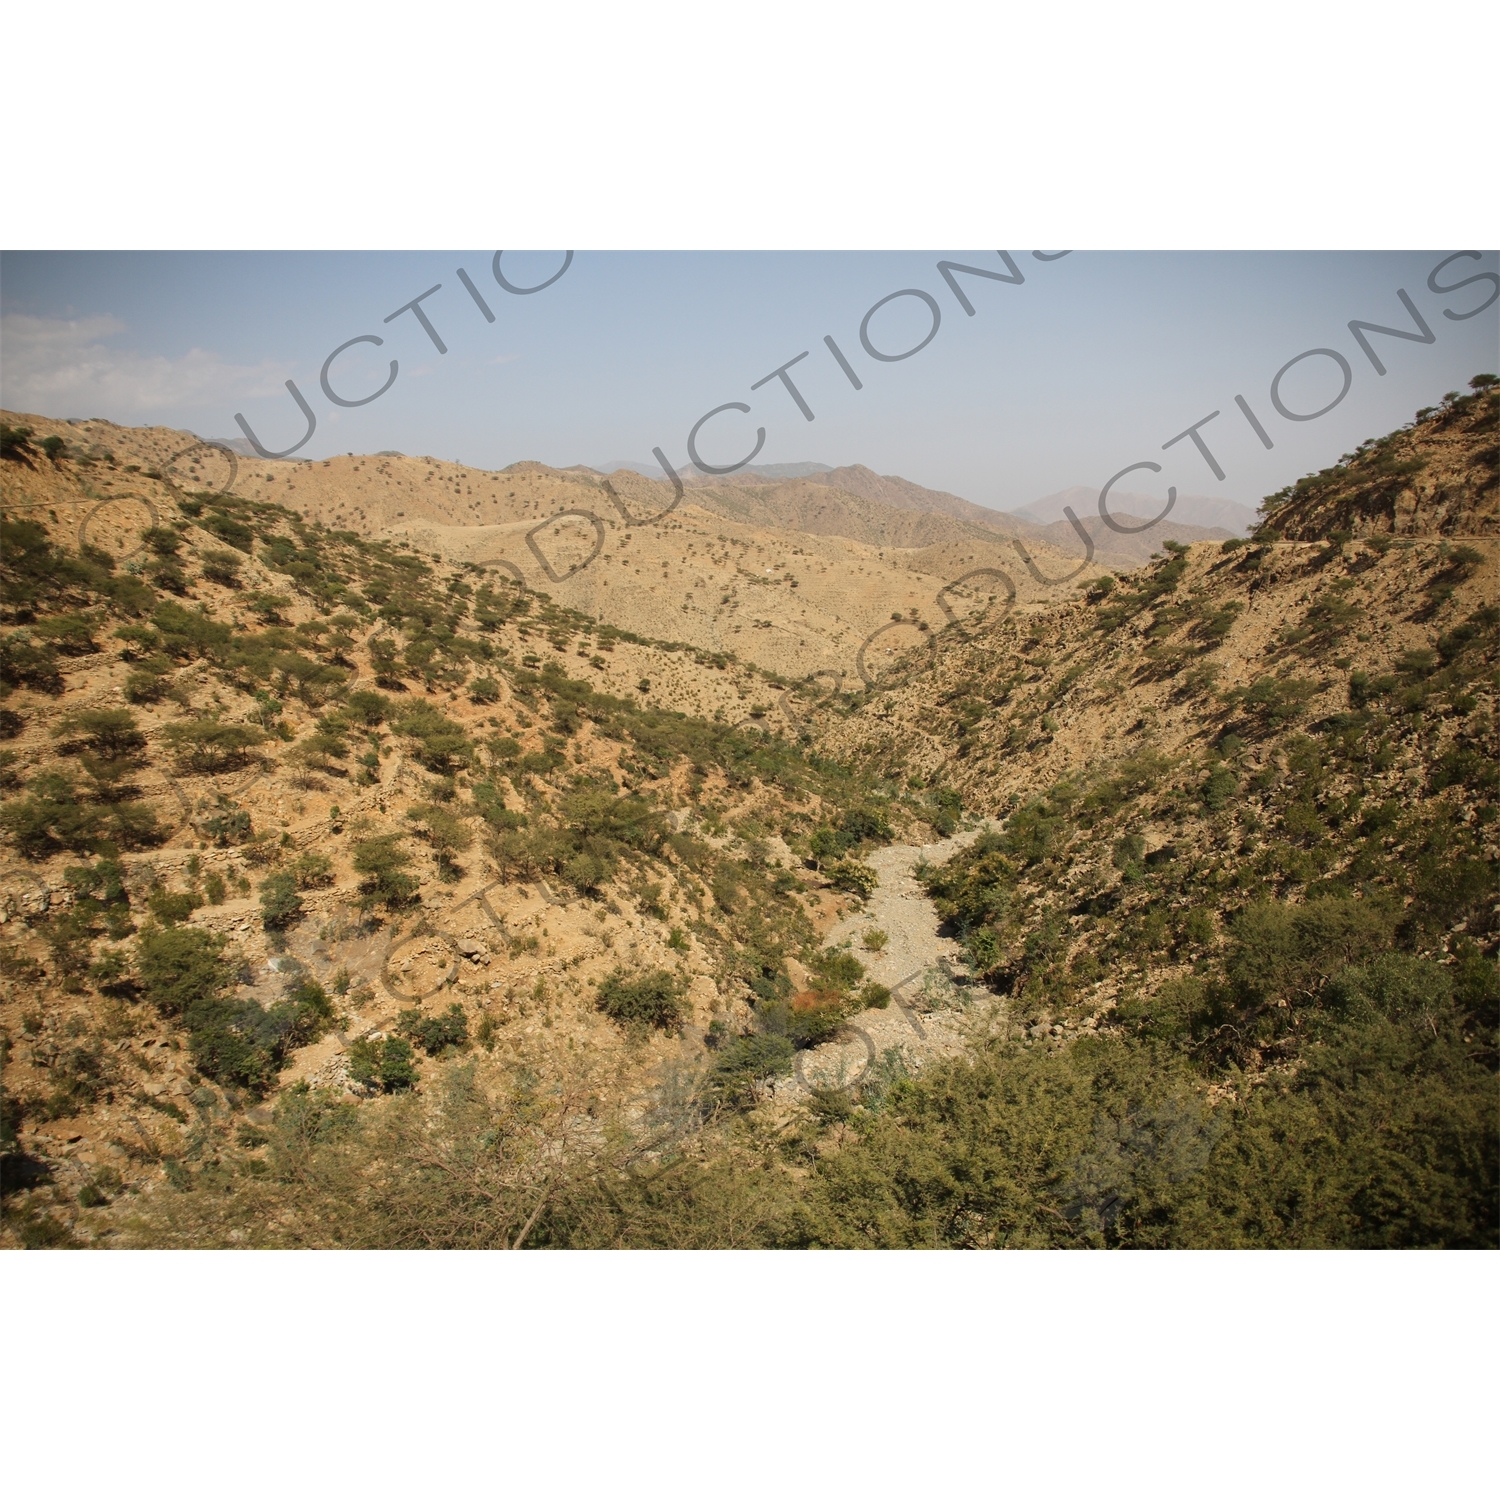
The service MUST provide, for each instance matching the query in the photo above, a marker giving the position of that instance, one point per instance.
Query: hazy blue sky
(1092, 364)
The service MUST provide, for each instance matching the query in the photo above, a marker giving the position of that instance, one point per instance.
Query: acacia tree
(208, 745)
(109, 733)
(446, 832)
(382, 861)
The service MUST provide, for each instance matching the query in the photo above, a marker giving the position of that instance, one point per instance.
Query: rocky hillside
(627, 551)
(1433, 478)
(757, 570)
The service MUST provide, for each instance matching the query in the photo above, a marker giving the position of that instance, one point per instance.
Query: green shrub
(388, 1064)
(434, 1033)
(1198, 928)
(446, 832)
(183, 971)
(267, 607)
(439, 744)
(1276, 701)
(102, 1185)
(149, 682)
(234, 533)
(52, 817)
(368, 706)
(15, 443)
(312, 869)
(23, 664)
(229, 826)
(280, 905)
(1128, 855)
(490, 805)
(1172, 1014)
(837, 968)
(806, 1020)
(973, 888)
(984, 948)
(1281, 950)
(652, 1000)
(948, 806)
(1216, 791)
(172, 907)
(312, 753)
(857, 826)
(180, 967)
(72, 634)
(222, 568)
(745, 1062)
(36, 1229)
(162, 540)
(187, 633)
(854, 876)
(32, 569)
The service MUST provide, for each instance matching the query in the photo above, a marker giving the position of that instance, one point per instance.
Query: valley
(402, 854)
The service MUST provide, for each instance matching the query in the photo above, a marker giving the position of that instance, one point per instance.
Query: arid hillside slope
(1280, 717)
(1353, 570)
(771, 586)
(721, 568)
(360, 802)
(1432, 478)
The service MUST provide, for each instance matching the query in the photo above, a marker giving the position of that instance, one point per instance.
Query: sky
(1090, 362)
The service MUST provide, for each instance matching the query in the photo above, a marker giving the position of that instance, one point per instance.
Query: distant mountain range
(884, 510)
(1190, 510)
(1207, 512)
(234, 444)
(759, 471)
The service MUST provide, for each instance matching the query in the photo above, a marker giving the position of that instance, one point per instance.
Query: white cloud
(60, 367)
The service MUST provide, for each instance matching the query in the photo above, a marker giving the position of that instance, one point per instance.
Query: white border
(798, 123)
(1175, 1374)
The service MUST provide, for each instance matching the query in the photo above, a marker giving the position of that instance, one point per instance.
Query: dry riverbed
(933, 1008)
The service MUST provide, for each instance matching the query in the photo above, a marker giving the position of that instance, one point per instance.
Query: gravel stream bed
(925, 971)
